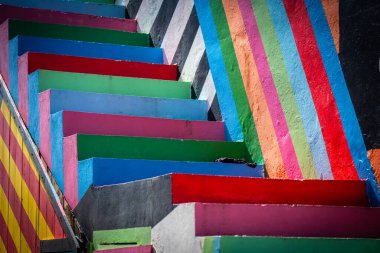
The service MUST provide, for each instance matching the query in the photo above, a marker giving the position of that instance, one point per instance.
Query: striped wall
(26, 213)
(174, 26)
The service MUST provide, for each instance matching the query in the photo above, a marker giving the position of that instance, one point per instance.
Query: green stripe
(284, 88)
(290, 244)
(237, 86)
(157, 148)
(80, 33)
(121, 238)
(113, 85)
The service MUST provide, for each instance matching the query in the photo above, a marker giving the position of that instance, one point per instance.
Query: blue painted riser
(22, 44)
(107, 171)
(105, 10)
(185, 109)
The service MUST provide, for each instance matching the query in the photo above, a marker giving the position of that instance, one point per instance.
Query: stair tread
(132, 249)
(66, 18)
(107, 10)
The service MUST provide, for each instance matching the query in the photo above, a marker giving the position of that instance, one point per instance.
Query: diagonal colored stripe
(284, 88)
(9, 244)
(19, 209)
(12, 224)
(222, 83)
(2, 245)
(44, 231)
(265, 130)
(36, 188)
(301, 88)
(346, 109)
(337, 147)
(280, 125)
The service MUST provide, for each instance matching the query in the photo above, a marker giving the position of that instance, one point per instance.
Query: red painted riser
(30, 62)
(287, 220)
(63, 18)
(137, 249)
(222, 189)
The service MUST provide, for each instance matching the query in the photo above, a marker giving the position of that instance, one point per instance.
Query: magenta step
(65, 18)
(136, 249)
(273, 220)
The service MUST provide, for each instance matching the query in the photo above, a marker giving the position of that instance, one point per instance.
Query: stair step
(146, 202)
(52, 101)
(96, 1)
(121, 238)
(106, 76)
(98, 54)
(248, 244)
(108, 171)
(188, 221)
(133, 249)
(105, 10)
(80, 147)
(66, 123)
(66, 18)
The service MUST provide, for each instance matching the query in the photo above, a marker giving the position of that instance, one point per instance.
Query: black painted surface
(161, 23)
(214, 113)
(359, 56)
(58, 245)
(132, 8)
(186, 41)
(200, 76)
(136, 204)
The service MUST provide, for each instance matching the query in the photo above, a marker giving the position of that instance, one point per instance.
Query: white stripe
(193, 58)
(147, 14)
(122, 2)
(176, 28)
(208, 91)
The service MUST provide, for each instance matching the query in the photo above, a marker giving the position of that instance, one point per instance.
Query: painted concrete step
(105, 10)
(93, 75)
(121, 238)
(66, 123)
(80, 147)
(108, 171)
(22, 44)
(66, 18)
(52, 101)
(259, 244)
(198, 220)
(133, 249)
(95, 1)
(147, 202)
(11, 28)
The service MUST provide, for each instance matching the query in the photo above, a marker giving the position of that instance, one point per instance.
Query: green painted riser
(157, 148)
(229, 244)
(120, 238)
(17, 27)
(113, 85)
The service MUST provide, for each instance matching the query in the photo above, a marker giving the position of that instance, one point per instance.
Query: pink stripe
(279, 122)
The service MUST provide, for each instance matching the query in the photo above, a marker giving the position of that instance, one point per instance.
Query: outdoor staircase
(135, 156)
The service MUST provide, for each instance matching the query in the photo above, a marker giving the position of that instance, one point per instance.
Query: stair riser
(101, 172)
(137, 249)
(56, 17)
(283, 220)
(108, 80)
(105, 10)
(68, 123)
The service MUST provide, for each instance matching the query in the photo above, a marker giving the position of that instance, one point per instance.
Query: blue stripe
(342, 96)
(301, 87)
(218, 70)
(105, 10)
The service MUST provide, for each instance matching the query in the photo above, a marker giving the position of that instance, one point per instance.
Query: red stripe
(6, 237)
(22, 218)
(33, 183)
(341, 161)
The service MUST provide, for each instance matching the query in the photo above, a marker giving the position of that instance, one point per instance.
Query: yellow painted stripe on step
(24, 194)
(2, 246)
(12, 224)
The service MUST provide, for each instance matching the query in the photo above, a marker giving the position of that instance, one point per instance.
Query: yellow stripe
(12, 224)
(2, 246)
(28, 202)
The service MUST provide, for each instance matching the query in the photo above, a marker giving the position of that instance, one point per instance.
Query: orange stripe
(331, 8)
(263, 122)
(374, 157)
